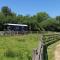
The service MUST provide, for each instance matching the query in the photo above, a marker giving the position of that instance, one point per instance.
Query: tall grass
(18, 47)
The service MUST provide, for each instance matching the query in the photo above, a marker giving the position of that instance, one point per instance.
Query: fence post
(35, 55)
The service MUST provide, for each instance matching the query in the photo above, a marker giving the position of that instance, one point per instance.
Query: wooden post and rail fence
(40, 53)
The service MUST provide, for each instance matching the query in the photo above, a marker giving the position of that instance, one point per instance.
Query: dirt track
(57, 52)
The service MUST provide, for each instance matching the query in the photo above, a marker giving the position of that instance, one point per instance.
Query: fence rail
(51, 38)
(12, 32)
(17, 32)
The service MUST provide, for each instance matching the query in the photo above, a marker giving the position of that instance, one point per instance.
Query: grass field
(18, 47)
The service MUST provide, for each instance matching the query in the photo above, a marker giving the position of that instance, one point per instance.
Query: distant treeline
(39, 22)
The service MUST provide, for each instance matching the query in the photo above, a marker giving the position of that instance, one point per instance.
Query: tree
(2, 20)
(11, 19)
(20, 19)
(49, 24)
(34, 24)
(6, 11)
(41, 16)
(58, 19)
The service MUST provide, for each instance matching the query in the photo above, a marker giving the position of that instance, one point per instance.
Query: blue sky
(31, 7)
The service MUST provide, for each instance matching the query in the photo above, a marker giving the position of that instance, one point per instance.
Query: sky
(31, 7)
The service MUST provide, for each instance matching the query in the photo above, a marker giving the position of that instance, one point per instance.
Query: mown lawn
(51, 51)
(18, 47)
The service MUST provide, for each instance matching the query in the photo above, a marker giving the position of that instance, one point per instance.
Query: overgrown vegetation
(39, 22)
(18, 47)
